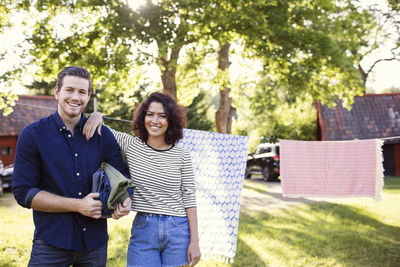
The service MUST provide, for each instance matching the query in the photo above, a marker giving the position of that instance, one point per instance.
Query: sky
(385, 74)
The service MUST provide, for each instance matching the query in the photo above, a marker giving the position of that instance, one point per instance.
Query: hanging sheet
(219, 162)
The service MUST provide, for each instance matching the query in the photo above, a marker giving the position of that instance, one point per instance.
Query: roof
(371, 116)
(27, 110)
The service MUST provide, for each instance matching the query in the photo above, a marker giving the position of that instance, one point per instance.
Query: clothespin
(273, 139)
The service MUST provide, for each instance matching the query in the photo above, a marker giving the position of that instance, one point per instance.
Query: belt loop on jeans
(152, 214)
(144, 213)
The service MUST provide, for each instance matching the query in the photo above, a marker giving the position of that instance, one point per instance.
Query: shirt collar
(61, 126)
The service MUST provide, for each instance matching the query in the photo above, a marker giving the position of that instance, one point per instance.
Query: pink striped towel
(332, 168)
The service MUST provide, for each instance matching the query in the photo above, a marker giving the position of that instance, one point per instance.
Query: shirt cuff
(29, 196)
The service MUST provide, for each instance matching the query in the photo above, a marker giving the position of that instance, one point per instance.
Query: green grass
(334, 232)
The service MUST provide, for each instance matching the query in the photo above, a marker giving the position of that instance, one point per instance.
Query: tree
(197, 114)
(385, 37)
(7, 98)
(103, 36)
(306, 48)
(7, 101)
(91, 34)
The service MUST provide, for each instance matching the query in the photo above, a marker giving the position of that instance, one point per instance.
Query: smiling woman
(164, 180)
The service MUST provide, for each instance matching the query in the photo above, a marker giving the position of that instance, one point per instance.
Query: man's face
(72, 97)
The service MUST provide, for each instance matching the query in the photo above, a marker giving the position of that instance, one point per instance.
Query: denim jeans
(45, 255)
(158, 240)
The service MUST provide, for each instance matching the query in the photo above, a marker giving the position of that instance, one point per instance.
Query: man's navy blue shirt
(50, 158)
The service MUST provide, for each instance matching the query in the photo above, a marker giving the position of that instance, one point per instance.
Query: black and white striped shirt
(164, 179)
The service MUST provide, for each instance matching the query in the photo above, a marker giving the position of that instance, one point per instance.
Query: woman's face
(155, 120)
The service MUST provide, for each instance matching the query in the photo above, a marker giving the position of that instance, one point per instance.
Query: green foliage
(4, 12)
(6, 8)
(309, 50)
(395, 4)
(197, 114)
(312, 47)
(274, 113)
(121, 116)
(7, 101)
(42, 87)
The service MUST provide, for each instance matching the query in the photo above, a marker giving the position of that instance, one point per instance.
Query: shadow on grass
(392, 185)
(323, 233)
(245, 256)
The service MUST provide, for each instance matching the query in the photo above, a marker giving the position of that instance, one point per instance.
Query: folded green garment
(121, 187)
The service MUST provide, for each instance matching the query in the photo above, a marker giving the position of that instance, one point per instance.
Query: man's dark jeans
(45, 255)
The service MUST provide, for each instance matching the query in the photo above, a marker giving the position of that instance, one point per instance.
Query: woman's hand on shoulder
(95, 121)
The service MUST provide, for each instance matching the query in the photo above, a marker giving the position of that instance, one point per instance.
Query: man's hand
(194, 253)
(94, 122)
(122, 209)
(90, 207)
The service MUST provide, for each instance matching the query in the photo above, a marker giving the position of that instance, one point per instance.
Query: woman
(164, 231)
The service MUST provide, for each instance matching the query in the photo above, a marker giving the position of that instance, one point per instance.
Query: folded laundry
(113, 187)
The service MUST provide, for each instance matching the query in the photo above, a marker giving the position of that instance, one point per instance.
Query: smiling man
(53, 171)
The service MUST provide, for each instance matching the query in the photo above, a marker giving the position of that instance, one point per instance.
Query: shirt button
(80, 193)
(84, 229)
(76, 155)
(64, 127)
(69, 135)
(77, 174)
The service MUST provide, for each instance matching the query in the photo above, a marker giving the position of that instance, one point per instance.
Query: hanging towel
(332, 168)
(219, 162)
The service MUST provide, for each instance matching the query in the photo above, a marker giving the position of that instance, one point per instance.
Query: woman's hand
(122, 209)
(94, 122)
(194, 253)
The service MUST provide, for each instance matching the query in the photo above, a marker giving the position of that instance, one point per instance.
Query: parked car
(6, 176)
(264, 161)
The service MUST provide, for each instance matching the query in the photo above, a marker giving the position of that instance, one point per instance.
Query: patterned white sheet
(219, 162)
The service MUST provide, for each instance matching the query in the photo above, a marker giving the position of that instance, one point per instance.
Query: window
(265, 150)
(6, 151)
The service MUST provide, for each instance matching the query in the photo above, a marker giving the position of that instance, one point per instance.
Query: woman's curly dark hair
(176, 117)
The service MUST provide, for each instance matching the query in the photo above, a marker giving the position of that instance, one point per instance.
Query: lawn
(333, 232)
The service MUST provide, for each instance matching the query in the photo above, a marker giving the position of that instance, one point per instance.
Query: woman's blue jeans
(158, 240)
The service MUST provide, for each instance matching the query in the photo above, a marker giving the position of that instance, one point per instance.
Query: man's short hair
(74, 71)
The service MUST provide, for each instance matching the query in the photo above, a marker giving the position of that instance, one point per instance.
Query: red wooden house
(371, 116)
(27, 109)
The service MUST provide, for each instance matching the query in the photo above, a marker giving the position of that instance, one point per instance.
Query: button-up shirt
(50, 158)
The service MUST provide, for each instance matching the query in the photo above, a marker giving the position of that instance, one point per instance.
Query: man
(53, 171)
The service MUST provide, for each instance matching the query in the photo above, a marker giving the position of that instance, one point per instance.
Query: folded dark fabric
(102, 186)
(112, 186)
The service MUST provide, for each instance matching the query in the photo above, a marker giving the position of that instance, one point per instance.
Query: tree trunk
(223, 116)
(168, 70)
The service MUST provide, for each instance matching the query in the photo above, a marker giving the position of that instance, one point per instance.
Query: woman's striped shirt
(163, 179)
